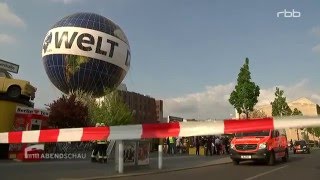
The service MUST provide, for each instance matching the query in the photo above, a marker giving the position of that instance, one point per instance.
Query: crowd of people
(175, 145)
(213, 145)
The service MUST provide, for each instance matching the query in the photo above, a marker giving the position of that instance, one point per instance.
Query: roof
(302, 100)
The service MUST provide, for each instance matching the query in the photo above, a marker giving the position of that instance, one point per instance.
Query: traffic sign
(11, 67)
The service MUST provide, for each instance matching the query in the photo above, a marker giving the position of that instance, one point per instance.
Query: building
(306, 106)
(159, 110)
(144, 108)
(122, 87)
(303, 104)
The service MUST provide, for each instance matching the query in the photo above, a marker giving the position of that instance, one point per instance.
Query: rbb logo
(289, 14)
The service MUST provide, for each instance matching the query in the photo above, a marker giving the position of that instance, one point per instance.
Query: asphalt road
(302, 166)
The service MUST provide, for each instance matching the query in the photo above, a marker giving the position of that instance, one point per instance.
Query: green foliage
(257, 114)
(111, 111)
(280, 106)
(80, 109)
(68, 112)
(305, 136)
(246, 93)
(296, 112)
(314, 131)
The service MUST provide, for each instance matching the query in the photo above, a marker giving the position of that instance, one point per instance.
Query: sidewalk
(170, 163)
(84, 169)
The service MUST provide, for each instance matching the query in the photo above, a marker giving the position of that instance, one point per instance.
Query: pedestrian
(102, 148)
(209, 146)
(95, 148)
(227, 143)
(168, 146)
(178, 145)
(217, 144)
(171, 145)
(197, 146)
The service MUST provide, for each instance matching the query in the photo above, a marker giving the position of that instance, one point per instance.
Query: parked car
(301, 147)
(15, 88)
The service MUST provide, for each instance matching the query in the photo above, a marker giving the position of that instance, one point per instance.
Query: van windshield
(256, 133)
(302, 143)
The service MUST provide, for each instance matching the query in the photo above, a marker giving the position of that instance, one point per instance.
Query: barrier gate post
(160, 156)
(120, 158)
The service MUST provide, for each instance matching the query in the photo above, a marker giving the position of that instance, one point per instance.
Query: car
(267, 146)
(301, 146)
(16, 88)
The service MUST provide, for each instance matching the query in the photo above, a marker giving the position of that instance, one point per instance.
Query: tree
(68, 112)
(280, 106)
(296, 112)
(257, 114)
(111, 110)
(315, 131)
(246, 92)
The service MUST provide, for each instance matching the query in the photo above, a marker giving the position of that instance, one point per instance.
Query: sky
(185, 52)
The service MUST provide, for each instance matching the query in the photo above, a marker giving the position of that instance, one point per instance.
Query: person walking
(291, 144)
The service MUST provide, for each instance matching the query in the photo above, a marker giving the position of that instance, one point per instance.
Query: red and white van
(267, 146)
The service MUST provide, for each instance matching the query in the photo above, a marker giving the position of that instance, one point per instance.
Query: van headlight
(262, 146)
(232, 146)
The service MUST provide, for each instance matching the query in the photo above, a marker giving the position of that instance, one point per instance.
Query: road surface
(302, 166)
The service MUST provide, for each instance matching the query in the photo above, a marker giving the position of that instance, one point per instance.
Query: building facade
(144, 108)
(159, 110)
(305, 105)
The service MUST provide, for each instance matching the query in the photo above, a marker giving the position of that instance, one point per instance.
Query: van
(267, 146)
(301, 147)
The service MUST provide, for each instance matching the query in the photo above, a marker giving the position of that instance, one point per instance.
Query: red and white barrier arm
(182, 129)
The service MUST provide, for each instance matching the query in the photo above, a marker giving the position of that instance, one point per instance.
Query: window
(256, 133)
(302, 143)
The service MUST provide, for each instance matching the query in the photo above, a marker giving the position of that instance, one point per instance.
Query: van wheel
(235, 162)
(271, 159)
(286, 156)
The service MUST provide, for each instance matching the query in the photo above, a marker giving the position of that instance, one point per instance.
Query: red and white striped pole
(182, 129)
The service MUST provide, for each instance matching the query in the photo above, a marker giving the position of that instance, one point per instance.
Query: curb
(148, 173)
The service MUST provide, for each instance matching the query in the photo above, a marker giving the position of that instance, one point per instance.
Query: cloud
(8, 17)
(213, 102)
(7, 39)
(316, 31)
(66, 1)
(316, 49)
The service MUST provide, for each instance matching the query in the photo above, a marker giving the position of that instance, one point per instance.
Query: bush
(68, 112)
